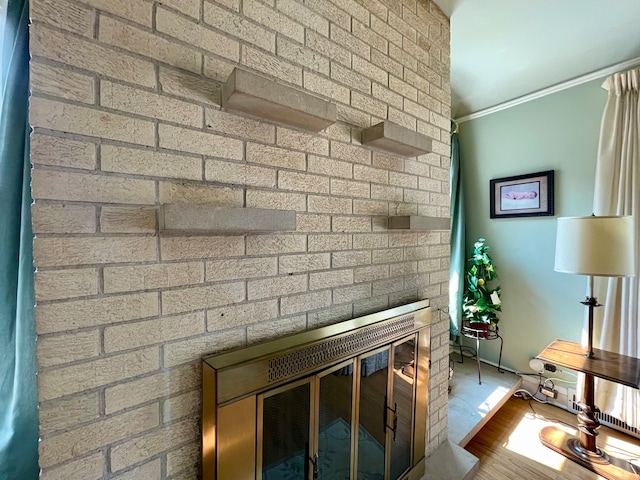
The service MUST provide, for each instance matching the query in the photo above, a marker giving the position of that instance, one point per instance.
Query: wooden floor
(508, 446)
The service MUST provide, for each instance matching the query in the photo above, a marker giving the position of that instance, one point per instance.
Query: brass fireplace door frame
(233, 381)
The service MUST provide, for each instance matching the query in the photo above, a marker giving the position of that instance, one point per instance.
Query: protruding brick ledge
(396, 139)
(419, 223)
(204, 219)
(266, 98)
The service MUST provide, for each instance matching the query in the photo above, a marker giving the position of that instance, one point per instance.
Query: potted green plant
(481, 300)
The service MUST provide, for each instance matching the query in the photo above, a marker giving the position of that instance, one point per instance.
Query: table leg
(588, 423)
(583, 450)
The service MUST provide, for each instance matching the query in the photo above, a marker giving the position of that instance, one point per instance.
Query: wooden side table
(610, 366)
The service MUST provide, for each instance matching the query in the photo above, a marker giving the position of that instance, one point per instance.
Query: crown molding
(551, 90)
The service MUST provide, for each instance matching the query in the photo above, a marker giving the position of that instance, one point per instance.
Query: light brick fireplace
(126, 116)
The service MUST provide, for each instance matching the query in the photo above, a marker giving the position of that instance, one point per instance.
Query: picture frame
(529, 195)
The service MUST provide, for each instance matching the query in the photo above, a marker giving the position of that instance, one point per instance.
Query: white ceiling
(504, 49)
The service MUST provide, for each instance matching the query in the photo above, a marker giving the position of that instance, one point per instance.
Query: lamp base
(599, 462)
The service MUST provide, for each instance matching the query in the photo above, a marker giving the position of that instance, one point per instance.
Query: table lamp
(597, 247)
(592, 246)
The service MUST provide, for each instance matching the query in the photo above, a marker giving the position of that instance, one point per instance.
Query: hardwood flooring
(508, 446)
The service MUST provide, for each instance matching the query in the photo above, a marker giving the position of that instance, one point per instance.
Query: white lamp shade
(598, 246)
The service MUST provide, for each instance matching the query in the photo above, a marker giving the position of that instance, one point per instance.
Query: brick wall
(126, 116)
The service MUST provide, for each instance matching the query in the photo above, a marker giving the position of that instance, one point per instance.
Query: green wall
(556, 132)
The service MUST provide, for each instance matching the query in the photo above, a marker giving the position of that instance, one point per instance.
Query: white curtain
(617, 192)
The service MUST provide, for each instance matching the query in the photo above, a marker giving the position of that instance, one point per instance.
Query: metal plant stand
(481, 331)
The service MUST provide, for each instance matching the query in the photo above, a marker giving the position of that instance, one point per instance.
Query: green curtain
(457, 241)
(18, 392)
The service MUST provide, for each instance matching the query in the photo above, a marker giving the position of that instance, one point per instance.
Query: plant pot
(481, 329)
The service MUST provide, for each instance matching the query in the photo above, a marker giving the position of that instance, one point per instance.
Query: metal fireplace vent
(333, 349)
(263, 366)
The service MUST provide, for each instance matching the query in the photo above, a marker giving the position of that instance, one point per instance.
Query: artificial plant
(481, 300)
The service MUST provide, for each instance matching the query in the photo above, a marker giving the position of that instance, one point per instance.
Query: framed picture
(528, 195)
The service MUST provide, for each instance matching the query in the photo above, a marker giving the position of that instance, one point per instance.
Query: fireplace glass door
(286, 415)
(335, 413)
(402, 400)
(353, 420)
(372, 408)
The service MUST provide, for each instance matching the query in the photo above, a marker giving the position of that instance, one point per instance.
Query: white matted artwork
(522, 195)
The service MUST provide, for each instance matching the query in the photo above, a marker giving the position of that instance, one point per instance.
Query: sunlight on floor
(521, 441)
(493, 399)
(620, 448)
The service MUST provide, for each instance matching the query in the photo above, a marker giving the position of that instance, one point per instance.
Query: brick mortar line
(105, 141)
(246, 301)
(109, 446)
(158, 63)
(158, 122)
